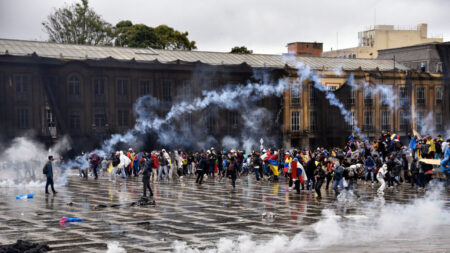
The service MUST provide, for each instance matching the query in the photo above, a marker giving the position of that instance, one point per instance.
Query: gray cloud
(262, 25)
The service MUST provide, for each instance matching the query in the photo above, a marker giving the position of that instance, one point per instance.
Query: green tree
(160, 37)
(78, 24)
(241, 50)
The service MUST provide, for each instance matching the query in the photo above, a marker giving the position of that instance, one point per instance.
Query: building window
(99, 87)
(295, 121)
(438, 95)
(404, 100)
(187, 120)
(312, 96)
(386, 120)
(234, 119)
(213, 84)
(21, 85)
(22, 118)
(439, 121)
(439, 126)
(313, 121)
(295, 95)
(439, 67)
(420, 115)
(332, 87)
(352, 122)
(420, 96)
(144, 87)
(75, 121)
(122, 87)
(210, 122)
(368, 121)
(100, 120)
(403, 121)
(385, 96)
(167, 91)
(122, 118)
(187, 88)
(74, 85)
(352, 99)
(368, 96)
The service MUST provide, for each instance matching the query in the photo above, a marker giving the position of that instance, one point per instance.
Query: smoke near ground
(376, 222)
(21, 162)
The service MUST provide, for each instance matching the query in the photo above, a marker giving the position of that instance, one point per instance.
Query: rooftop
(85, 52)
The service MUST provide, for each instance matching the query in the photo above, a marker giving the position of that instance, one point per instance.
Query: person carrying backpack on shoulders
(48, 171)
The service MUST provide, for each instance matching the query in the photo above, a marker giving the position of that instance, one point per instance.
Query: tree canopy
(78, 24)
(160, 37)
(241, 50)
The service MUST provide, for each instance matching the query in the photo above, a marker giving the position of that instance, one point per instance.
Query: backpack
(45, 170)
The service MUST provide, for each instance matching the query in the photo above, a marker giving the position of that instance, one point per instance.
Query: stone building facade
(89, 92)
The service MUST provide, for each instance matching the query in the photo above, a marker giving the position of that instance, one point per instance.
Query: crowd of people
(384, 161)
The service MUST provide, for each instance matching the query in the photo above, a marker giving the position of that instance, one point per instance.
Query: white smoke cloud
(376, 222)
(22, 161)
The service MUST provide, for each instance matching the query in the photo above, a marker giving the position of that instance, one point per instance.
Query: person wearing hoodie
(380, 176)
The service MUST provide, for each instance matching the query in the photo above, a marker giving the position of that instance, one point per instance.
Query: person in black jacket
(49, 174)
(310, 168)
(320, 178)
(203, 166)
(231, 170)
(148, 165)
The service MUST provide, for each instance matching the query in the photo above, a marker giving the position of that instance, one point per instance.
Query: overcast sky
(265, 26)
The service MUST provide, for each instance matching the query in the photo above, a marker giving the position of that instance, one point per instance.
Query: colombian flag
(273, 164)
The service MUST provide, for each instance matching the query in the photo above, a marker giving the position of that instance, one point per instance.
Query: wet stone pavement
(184, 211)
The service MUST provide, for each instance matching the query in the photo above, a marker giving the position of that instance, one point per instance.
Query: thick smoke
(22, 161)
(375, 222)
(305, 72)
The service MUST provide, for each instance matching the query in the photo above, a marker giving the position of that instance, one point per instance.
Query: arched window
(74, 85)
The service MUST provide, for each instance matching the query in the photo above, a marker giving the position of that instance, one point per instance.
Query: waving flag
(273, 164)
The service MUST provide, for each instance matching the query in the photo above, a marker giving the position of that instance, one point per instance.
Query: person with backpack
(48, 171)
